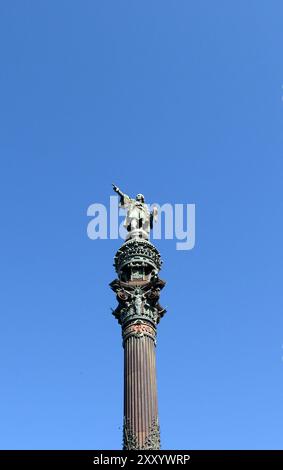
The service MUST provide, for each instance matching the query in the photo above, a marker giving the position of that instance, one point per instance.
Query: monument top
(139, 220)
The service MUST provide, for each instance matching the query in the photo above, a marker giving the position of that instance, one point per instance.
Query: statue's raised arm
(117, 190)
(125, 200)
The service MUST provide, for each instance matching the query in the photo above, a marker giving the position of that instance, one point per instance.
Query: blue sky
(180, 100)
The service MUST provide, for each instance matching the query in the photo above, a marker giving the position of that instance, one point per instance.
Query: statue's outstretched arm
(118, 191)
(124, 198)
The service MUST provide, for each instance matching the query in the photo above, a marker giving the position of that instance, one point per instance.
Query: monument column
(137, 288)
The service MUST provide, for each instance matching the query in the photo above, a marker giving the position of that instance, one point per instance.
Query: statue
(139, 220)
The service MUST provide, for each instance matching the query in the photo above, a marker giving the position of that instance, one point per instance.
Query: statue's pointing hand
(118, 191)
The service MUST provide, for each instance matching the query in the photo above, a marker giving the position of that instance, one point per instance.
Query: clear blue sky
(180, 100)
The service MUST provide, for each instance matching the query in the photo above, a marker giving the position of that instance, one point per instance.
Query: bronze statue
(139, 220)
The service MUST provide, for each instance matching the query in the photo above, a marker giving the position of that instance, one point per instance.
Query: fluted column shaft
(140, 390)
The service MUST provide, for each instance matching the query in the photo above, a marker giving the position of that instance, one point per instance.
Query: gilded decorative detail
(139, 329)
